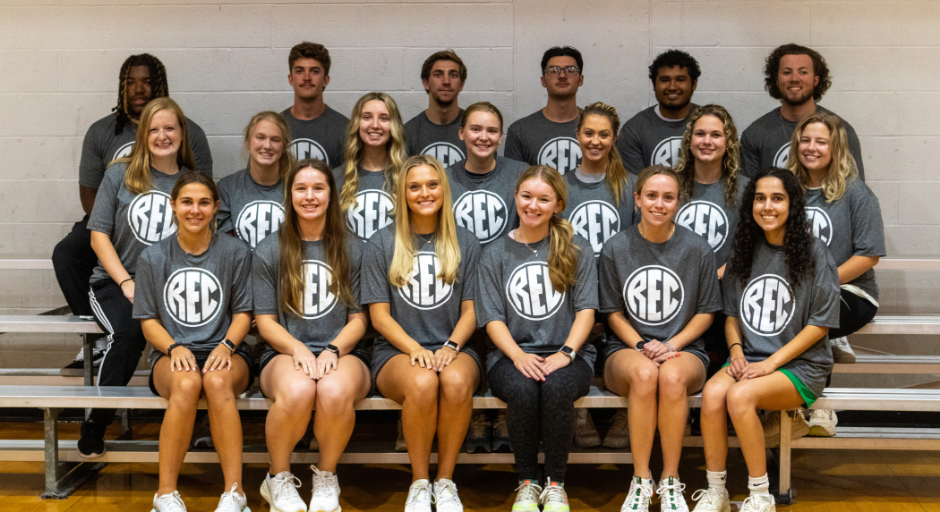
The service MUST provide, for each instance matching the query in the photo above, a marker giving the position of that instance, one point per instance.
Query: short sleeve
(868, 231)
(264, 276)
(729, 294)
(825, 294)
(200, 145)
(375, 285)
(514, 149)
(145, 296)
(488, 301)
(709, 288)
(629, 147)
(585, 287)
(355, 274)
(611, 300)
(750, 154)
(102, 213)
(472, 257)
(91, 167)
(855, 147)
(224, 217)
(241, 279)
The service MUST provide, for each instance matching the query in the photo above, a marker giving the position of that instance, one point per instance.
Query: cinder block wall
(227, 60)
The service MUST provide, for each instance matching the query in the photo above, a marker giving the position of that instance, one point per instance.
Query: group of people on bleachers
(367, 254)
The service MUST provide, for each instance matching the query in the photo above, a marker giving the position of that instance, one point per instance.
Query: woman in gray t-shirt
(781, 295)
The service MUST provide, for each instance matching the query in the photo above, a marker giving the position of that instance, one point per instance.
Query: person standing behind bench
(194, 302)
(141, 79)
(434, 131)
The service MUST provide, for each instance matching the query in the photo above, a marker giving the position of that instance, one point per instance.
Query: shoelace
(230, 498)
(527, 491)
(478, 425)
(446, 493)
(619, 422)
(415, 495)
(323, 485)
(669, 498)
(638, 493)
(753, 503)
(708, 497)
(553, 493)
(500, 427)
(173, 502)
(284, 486)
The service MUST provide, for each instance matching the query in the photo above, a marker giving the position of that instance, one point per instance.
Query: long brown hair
(138, 179)
(291, 280)
(616, 174)
(842, 168)
(286, 161)
(730, 162)
(562, 252)
(193, 176)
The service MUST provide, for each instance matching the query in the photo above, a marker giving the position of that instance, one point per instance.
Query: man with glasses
(546, 137)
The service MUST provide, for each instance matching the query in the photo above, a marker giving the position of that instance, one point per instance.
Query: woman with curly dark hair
(781, 296)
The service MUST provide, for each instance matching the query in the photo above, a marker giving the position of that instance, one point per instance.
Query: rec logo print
(782, 156)
(705, 219)
(193, 296)
(424, 290)
(819, 223)
(595, 221)
(667, 152)
(767, 305)
(318, 299)
(530, 292)
(448, 154)
(257, 220)
(372, 212)
(561, 153)
(150, 217)
(653, 295)
(482, 212)
(124, 151)
(307, 148)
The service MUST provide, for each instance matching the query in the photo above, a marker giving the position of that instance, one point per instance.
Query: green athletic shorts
(808, 396)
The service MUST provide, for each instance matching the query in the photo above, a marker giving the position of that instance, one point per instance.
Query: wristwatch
(568, 351)
(229, 345)
(452, 345)
(332, 348)
(639, 345)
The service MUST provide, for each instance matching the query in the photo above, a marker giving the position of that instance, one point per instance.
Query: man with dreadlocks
(142, 79)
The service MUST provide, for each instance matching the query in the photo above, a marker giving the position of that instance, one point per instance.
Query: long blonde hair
(562, 252)
(842, 168)
(446, 247)
(286, 161)
(353, 148)
(730, 162)
(137, 179)
(616, 175)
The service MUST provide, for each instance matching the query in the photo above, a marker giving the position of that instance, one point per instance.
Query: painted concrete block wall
(226, 60)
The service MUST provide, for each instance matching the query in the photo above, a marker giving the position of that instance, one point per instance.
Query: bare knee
(218, 387)
(334, 395)
(186, 388)
(740, 401)
(422, 387)
(673, 383)
(714, 398)
(456, 387)
(296, 394)
(644, 380)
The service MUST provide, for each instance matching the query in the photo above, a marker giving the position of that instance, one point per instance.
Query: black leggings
(74, 260)
(540, 411)
(854, 313)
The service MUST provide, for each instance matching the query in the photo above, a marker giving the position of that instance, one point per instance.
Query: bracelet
(671, 348)
(124, 281)
(733, 344)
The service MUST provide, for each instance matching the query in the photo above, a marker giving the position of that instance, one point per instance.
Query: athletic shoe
(771, 424)
(842, 352)
(419, 497)
(501, 434)
(619, 434)
(233, 502)
(325, 496)
(822, 423)
(313, 445)
(670, 495)
(91, 442)
(281, 493)
(97, 354)
(585, 434)
(202, 436)
(553, 498)
(712, 500)
(479, 434)
(445, 496)
(527, 497)
(400, 445)
(168, 503)
(639, 496)
(758, 503)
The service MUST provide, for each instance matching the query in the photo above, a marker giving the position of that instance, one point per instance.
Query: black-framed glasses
(557, 70)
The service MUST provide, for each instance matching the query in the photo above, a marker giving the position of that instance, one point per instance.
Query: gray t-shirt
(321, 138)
(427, 308)
(193, 295)
(101, 146)
(766, 143)
(594, 214)
(485, 203)
(710, 217)
(132, 221)
(324, 315)
(772, 313)
(438, 140)
(659, 286)
(513, 287)
(851, 226)
(374, 208)
(253, 211)
(537, 141)
(647, 139)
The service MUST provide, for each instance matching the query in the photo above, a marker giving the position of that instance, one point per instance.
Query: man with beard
(797, 76)
(546, 137)
(434, 131)
(654, 136)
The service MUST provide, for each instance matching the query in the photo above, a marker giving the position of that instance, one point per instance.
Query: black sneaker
(91, 444)
(77, 367)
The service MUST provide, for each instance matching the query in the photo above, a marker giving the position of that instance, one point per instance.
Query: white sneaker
(281, 493)
(619, 434)
(585, 433)
(758, 503)
(670, 495)
(842, 352)
(771, 424)
(400, 445)
(554, 498)
(822, 423)
(445, 496)
(168, 503)
(712, 500)
(419, 497)
(231, 501)
(527, 497)
(639, 496)
(325, 496)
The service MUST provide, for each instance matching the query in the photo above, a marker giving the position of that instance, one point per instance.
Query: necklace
(426, 240)
(534, 251)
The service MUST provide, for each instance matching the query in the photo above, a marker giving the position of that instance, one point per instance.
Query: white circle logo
(595, 221)
(446, 153)
(819, 223)
(482, 212)
(767, 305)
(193, 296)
(667, 152)
(530, 292)
(706, 220)
(372, 212)
(318, 299)
(561, 153)
(150, 217)
(123, 151)
(782, 156)
(424, 290)
(257, 220)
(308, 148)
(653, 295)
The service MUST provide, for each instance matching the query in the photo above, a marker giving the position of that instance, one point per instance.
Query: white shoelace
(670, 498)
(553, 493)
(284, 485)
(323, 485)
(754, 503)
(446, 493)
(528, 491)
(171, 502)
(230, 498)
(619, 423)
(708, 497)
(420, 494)
(638, 494)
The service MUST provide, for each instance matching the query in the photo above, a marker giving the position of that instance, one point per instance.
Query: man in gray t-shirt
(654, 136)
(317, 131)
(249, 209)
(434, 131)
(485, 203)
(799, 77)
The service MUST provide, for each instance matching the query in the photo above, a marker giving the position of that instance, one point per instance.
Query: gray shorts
(384, 351)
